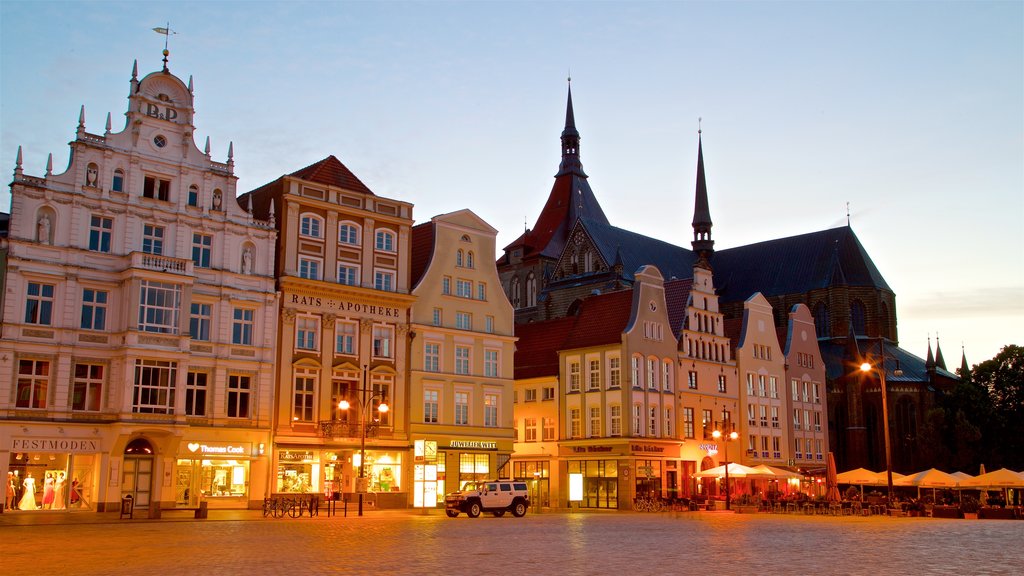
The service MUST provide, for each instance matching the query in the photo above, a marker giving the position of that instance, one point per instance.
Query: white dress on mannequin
(28, 499)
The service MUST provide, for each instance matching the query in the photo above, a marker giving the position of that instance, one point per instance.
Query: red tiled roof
(422, 248)
(331, 172)
(538, 346)
(601, 320)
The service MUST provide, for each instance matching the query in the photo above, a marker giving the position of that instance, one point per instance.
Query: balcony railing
(343, 429)
(160, 263)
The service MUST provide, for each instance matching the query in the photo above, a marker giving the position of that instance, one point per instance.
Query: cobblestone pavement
(409, 542)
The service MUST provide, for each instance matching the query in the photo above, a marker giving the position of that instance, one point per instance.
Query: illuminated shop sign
(585, 449)
(343, 306)
(219, 449)
(647, 448)
(66, 445)
(474, 444)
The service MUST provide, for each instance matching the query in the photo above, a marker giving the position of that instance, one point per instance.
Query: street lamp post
(364, 406)
(880, 368)
(726, 438)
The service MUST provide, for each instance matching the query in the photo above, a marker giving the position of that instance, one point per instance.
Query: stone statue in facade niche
(43, 226)
(91, 175)
(216, 199)
(247, 260)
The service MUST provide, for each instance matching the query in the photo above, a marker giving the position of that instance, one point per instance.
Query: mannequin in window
(48, 491)
(58, 492)
(28, 499)
(11, 491)
(43, 227)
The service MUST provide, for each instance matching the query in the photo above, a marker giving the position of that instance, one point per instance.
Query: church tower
(702, 243)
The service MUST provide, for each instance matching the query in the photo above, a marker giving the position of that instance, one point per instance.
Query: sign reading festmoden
(65, 445)
(343, 306)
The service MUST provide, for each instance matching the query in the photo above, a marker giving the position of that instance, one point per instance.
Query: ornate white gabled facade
(139, 320)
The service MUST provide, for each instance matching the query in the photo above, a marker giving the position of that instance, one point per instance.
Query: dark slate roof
(794, 265)
(422, 248)
(538, 345)
(834, 354)
(677, 294)
(638, 250)
(331, 172)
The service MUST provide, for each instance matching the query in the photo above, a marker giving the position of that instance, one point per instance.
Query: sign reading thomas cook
(343, 306)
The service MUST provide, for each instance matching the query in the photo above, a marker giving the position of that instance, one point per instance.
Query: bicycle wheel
(266, 507)
(279, 509)
(293, 509)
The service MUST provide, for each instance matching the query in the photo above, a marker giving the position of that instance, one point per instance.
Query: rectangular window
(638, 427)
(196, 387)
(652, 421)
(463, 320)
(464, 288)
(773, 387)
(652, 374)
(616, 420)
(33, 383)
(305, 385)
(462, 408)
(764, 415)
(384, 280)
(752, 444)
(87, 388)
(437, 317)
(462, 360)
(481, 291)
(159, 304)
(307, 333)
(574, 377)
(531, 395)
(776, 447)
(430, 406)
(156, 188)
(491, 410)
(692, 380)
(100, 228)
(489, 324)
(750, 384)
(309, 268)
(239, 388)
(199, 321)
(348, 274)
(491, 363)
(817, 397)
(634, 368)
(154, 387)
(807, 419)
(806, 396)
(595, 422)
(345, 338)
(575, 424)
(688, 429)
(817, 421)
(446, 285)
(614, 372)
(594, 375)
(775, 416)
(39, 304)
(549, 392)
(242, 326)
(201, 245)
(796, 390)
(668, 422)
(666, 376)
(548, 427)
(432, 357)
(530, 429)
(721, 384)
(707, 423)
(94, 309)
(796, 419)
(383, 337)
(751, 415)
(760, 385)
(193, 196)
(799, 448)
(385, 241)
(152, 239)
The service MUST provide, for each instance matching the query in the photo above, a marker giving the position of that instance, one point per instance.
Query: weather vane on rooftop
(167, 33)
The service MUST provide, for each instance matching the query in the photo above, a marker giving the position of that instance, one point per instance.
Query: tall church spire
(702, 243)
(570, 142)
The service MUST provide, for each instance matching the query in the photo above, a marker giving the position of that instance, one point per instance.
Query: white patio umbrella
(736, 470)
(777, 473)
(931, 478)
(1002, 478)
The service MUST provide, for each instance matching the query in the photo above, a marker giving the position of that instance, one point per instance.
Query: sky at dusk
(911, 112)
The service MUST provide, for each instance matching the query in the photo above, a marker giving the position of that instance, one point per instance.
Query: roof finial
(698, 126)
(847, 214)
(108, 124)
(167, 34)
(81, 118)
(49, 165)
(207, 150)
(17, 164)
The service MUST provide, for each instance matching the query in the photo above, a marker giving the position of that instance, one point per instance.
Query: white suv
(495, 497)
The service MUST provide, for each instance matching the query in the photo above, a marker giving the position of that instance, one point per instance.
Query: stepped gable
(331, 172)
(793, 265)
(538, 345)
(637, 250)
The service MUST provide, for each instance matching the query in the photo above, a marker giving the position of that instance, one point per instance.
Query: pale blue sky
(913, 112)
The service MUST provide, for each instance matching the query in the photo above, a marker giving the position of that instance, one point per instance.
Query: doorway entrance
(137, 475)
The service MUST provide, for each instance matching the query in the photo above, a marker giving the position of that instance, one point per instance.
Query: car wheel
(451, 513)
(519, 509)
(498, 513)
(474, 510)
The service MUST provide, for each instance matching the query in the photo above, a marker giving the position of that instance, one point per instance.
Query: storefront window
(45, 481)
(297, 471)
(600, 482)
(473, 467)
(536, 474)
(213, 479)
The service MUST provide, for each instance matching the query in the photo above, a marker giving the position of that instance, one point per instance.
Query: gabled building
(138, 321)
(460, 359)
(342, 268)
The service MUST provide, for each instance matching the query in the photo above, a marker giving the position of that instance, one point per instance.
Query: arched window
(139, 446)
(310, 225)
(588, 261)
(821, 322)
(348, 233)
(858, 317)
(385, 240)
(515, 292)
(531, 290)
(458, 258)
(193, 195)
(117, 185)
(469, 260)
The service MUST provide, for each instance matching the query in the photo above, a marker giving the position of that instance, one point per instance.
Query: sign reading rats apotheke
(343, 306)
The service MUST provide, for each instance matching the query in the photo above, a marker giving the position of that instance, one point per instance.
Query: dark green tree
(1002, 380)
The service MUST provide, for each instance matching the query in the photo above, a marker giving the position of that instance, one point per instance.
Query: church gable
(579, 257)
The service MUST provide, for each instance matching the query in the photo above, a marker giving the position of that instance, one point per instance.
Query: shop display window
(45, 481)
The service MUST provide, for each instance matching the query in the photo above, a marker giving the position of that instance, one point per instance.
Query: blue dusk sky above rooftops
(911, 112)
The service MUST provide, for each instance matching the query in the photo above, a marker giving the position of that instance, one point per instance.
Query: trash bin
(127, 506)
(202, 512)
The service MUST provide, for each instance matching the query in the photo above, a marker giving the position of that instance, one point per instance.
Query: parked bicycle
(281, 506)
(648, 505)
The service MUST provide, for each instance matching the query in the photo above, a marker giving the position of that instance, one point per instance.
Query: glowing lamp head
(343, 405)
(733, 435)
(865, 367)
(383, 408)
(716, 434)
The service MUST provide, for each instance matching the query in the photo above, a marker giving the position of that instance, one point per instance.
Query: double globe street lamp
(364, 407)
(880, 369)
(726, 438)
